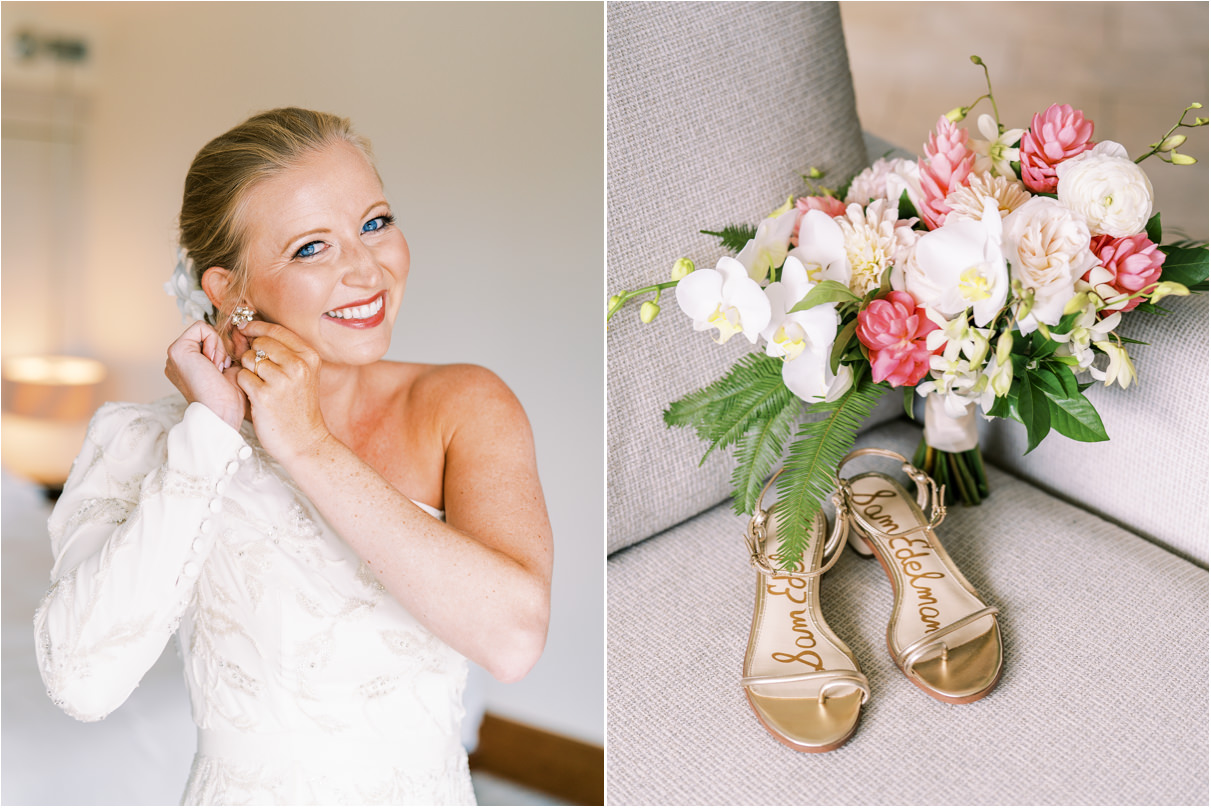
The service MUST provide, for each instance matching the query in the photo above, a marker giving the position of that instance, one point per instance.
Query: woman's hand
(282, 390)
(198, 365)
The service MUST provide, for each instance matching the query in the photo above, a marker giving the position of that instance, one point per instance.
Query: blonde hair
(228, 167)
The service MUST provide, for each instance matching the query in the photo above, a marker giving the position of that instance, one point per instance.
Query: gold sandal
(801, 681)
(944, 638)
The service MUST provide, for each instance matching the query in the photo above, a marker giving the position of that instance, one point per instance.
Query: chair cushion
(1151, 476)
(1103, 698)
(688, 83)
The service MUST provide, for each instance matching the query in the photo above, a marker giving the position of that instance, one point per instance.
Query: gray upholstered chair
(1095, 554)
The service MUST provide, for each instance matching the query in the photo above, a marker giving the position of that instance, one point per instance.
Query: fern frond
(812, 462)
(734, 236)
(757, 452)
(724, 410)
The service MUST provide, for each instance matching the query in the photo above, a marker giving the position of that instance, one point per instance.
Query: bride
(330, 535)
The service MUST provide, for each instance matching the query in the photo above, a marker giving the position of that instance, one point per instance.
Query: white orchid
(997, 152)
(804, 339)
(957, 382)
(766, 251)
(821, 249)
(1086, 330)
(1120, 368)
(955, 337)
(960, 266)
(724, 298)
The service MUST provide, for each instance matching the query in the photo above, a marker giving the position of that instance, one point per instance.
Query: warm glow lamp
(48, 401)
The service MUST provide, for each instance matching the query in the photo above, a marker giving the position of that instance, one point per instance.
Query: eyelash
(387, 220)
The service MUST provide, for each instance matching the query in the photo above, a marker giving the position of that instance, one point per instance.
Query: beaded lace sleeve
(130, 533)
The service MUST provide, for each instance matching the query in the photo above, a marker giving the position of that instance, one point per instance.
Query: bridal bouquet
(991, 273)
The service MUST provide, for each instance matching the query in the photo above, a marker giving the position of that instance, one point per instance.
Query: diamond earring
(242, 316)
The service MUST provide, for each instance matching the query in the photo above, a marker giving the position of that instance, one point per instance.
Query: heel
(801, 681)
(941, 635)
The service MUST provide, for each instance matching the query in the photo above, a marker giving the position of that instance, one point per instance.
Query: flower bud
(1181, 159)
(1196, 105)
(681, 268)
(1004, 347)
(1172, 142)
(814, 173)
(648, 311)
(976, 60)
(1076, 303)
(1166, 288)
(957, 114)
(613, 301)
(784, 207)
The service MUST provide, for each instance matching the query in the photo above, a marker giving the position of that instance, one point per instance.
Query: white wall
(487, 120)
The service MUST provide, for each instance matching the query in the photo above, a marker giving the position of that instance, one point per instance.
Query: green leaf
(1187, 266)
(907, 209)
(724, 410)
(909, 399)
(825, 292)
(819, 446)
(1000, 407)
(1153, 228)
(1035, 413)
(757, 452)
(1067, 379)
(733, 237)
(1046, 380)
(841, 344)
(1074, 417)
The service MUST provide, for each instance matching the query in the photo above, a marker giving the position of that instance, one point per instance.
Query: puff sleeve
(130, 534)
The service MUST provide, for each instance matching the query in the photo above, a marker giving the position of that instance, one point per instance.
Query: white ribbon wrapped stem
(947, 433)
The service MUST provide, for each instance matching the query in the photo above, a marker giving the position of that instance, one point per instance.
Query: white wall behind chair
(487, 123)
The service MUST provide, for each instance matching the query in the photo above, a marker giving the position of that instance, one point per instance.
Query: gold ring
(256, 360)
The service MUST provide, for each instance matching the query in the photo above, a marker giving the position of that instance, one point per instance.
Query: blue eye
(308, 250)
(377, 223)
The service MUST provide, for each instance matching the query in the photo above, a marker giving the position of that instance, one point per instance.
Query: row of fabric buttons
(216, 505)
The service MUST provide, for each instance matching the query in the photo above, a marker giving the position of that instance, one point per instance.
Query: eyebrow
(293, 239)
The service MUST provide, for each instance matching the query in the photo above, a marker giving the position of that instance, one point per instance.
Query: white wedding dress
(308, 682)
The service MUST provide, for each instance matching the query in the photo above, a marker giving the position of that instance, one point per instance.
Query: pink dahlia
(947, 169)
(829, 204)
(1127, 265)
(893, 328)
(1058, 134)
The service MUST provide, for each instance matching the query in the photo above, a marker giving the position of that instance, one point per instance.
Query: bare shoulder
(467, 397)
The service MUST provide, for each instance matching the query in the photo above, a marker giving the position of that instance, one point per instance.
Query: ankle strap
(930, 495)
(756, 534)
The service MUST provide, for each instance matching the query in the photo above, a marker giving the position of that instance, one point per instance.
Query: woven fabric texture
(714, 111)
(1151, 476)
(1103, 699)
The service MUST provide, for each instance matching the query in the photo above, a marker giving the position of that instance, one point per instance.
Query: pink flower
(1059, 134)
(894, 328)
(1127, 265)
(828, 204)
(947, 169)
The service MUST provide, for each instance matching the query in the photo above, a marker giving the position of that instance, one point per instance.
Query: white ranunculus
(725, 298)
(1047, 246)
(804, 339)
(960, 266)
(1107, 189)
